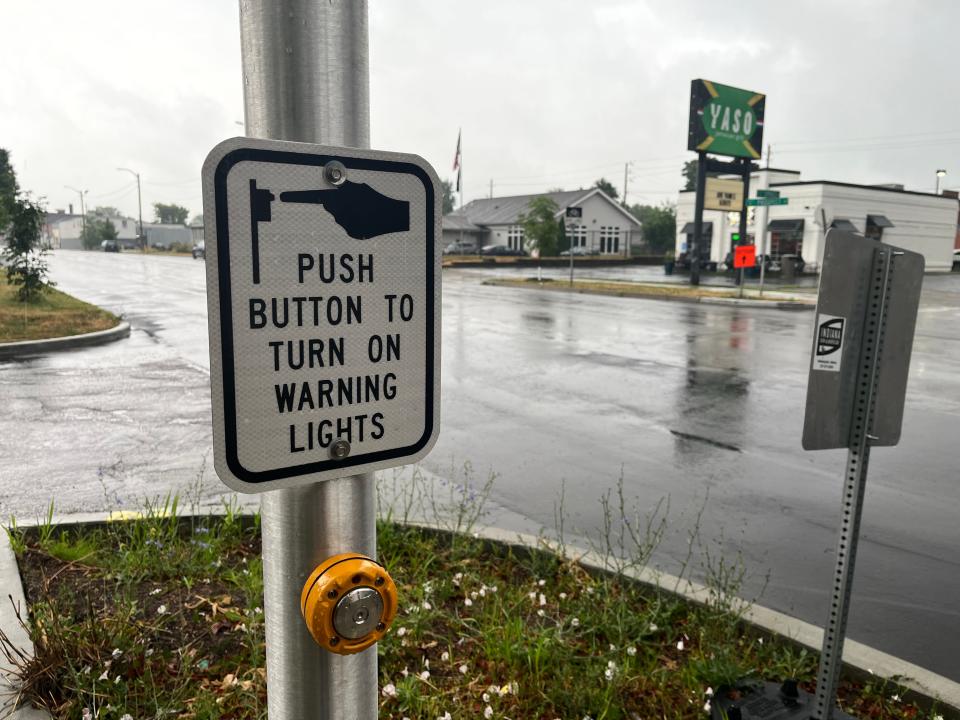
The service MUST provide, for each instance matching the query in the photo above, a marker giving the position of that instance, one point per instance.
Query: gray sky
(549, 93)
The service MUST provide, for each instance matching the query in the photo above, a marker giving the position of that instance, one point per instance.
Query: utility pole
(140, 236)
(491, 188)
(306, 79)
(83, 212)
(761, 225)
(626, 175)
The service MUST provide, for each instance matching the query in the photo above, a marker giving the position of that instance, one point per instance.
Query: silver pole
(854, 485)
(306, 78)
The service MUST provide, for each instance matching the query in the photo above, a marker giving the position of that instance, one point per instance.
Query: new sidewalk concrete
(857, 656)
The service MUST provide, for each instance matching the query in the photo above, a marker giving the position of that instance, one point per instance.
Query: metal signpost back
(866, 313)
(306, 79)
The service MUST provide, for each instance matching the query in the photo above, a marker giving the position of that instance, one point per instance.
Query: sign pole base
(301, 527)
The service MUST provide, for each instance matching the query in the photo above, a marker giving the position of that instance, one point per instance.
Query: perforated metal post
(858, 458)
(306, 78)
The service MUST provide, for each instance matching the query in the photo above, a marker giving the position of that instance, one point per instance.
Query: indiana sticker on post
(323, 294)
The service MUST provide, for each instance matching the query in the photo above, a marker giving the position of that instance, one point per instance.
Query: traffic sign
(761, 201)
(323, 295)
(768, 193)
(725, 120)
(745, 256)
(856, 305)
(574, 212)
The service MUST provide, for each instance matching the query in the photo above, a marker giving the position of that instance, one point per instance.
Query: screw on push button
(348, 603)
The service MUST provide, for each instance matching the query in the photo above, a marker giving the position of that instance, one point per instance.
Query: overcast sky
(549, 93)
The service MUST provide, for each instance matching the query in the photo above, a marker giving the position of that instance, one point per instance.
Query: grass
(162, 617)
(631, 289)
(52, 314)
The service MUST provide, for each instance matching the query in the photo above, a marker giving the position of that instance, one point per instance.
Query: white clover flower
(427, 587)
(117, 652)
(104, 676)
(532, 595)
(541, 612)
(589, 590)
(563, 596)
(86, 670)
(609, 673)
(427, 605)
(468, 602)
(405, 672)
(760, 640)
(938, 717)
(575, 622)
(631, 651)
(126, 716)
(679, 644)
(474, 595)
(612, 647)
(895, 697)
(709, 692)
(425, 675)
(86, 714)
(156, 591)
(401, 631)
(162, 610)
(463, 669)
(541, 583)
(492, 588)
(426, 663)
(483, 591)
(445, 716)
(485, 697)
(389, 690)
(148, 652)
(653, 627)
(116, 680)
(488, 712)
(611, 664)
(444, 656)
(706, 706)
(457, 578)
(543, 599)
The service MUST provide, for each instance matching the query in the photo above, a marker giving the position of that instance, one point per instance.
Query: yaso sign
(725, 120)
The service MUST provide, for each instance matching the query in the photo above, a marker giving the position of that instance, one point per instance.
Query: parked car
(199, 251)
(579, 252)
(501, 250)
(456, 248)
(110, 246)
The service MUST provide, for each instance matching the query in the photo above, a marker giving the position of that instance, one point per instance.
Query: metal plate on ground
(846, 297)
(323, 291)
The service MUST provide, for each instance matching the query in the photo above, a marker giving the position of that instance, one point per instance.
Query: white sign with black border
(323, 293)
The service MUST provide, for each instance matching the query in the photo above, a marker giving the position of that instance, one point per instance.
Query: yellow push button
(348, 603)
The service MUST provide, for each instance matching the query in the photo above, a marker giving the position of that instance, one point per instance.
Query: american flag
(456, 159)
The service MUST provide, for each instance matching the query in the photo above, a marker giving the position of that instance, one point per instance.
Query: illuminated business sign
(725, 120)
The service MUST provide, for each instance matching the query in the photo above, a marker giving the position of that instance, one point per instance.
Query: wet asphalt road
(700, 404)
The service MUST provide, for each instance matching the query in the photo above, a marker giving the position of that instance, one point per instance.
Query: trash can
(788, 268)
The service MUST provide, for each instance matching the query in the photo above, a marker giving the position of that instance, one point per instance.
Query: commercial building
(919, 221)
(604, 227)
(62, 231)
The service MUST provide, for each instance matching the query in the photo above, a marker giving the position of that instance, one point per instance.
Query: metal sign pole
(698, 219)
(306, 78)
(858, 457)
(747, 169)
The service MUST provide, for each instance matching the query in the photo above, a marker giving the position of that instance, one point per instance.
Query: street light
(940, 174)
(140, 236)
(83, 212)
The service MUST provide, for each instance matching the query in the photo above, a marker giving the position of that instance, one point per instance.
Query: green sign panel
(755, 202)
(725, 120)
(768, 193)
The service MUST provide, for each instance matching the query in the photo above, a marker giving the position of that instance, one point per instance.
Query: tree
(106, 211)
(690, 175)
(25, 257)
(170, 214)
(8, 190)
(97, 229)
(197, 219)
(607, 187)
(659, 226)
(540, 226)
(449, 199)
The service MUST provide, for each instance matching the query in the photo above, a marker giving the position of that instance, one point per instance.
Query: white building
(604, 227)
(64, 232)
(918, 221)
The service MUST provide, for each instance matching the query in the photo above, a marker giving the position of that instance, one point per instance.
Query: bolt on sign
(725, 120)
(723, 194)
(323, 292)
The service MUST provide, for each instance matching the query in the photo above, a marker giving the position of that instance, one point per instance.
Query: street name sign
(323, 295)
(723, 194)
(768, 193)
(860, 301)
(725, 120)
(761, 201)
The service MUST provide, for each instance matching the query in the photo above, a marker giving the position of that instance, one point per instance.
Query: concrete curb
(36, 347)
(786, 302)
(860, 657)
